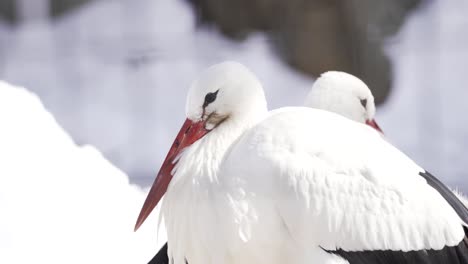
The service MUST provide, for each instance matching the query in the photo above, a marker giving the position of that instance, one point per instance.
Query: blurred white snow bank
(111, 71)
(61, 203)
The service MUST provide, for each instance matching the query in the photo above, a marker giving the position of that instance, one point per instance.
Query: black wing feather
(452, 255)
(449, 255)
(448, 195)
(161, 257)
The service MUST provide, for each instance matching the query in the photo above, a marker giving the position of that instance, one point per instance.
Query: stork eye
(209, 98)
(364, 103)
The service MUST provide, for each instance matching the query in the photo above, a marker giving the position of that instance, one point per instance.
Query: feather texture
(453, 255)
(348, 191)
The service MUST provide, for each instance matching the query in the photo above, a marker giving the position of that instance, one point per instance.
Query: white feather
(302, 180)
(331, 189)
(340, 93)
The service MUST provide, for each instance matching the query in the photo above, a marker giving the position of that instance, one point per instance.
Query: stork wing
(338, 185)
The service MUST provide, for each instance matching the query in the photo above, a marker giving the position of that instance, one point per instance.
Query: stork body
(347, 95)
(347, 194)
(245, 186)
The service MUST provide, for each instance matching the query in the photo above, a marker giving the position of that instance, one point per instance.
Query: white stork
(349, 96)
(344, 94)
(296, 185)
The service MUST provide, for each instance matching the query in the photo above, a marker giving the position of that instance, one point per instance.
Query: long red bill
(188, 134)
(374, 124)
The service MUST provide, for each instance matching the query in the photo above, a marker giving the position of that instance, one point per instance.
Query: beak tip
(188, 134)
(138, 223)
(372, 123)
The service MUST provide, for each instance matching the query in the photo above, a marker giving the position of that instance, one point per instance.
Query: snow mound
(110, 71)
(62, 203)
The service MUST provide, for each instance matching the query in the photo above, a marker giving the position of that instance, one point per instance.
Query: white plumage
(347, 95)
(331, 189)
(344, 94)
(288, 186)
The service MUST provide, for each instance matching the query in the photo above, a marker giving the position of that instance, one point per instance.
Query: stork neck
(203, 158)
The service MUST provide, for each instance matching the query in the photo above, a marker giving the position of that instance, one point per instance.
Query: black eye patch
(209, 98)
(364, 103)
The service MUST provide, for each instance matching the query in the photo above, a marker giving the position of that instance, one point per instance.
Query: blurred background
(115, 73)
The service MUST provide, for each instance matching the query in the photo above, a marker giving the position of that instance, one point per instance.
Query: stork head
(226, 95)
(344, 94)
(225, 92)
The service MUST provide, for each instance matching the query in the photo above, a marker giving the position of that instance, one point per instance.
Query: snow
(115, 75)
(119, 83)
(61, 203)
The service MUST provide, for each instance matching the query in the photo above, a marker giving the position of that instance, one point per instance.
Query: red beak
(374, 124)
(188, 134)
